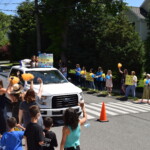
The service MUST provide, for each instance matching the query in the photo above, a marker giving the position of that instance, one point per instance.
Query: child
(83, 77)
(50, 140)
(90, 79)
(34, 132)
(109, 83)
(33, 61)
(72, 129)
(12, 140)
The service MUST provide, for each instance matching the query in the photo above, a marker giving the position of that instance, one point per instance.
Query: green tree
(5, 21)
(147, 47)
(23, 32)
(100, 35)
(56, 16)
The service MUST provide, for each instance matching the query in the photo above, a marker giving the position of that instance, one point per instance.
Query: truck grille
(65, 101)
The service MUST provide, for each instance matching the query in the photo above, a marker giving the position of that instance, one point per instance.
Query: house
(137, 16)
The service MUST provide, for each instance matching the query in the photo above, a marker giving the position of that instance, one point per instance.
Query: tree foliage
(147, 47)
(55, 17)
(5, 21)
(90, 32)
(23, 32)
(100, 35)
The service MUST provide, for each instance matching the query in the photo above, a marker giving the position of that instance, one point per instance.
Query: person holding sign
(124, 73)
(109, 83)
(83, 77)
(90, 78)
(131, 83)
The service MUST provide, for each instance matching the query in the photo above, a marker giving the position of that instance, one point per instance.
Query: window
(48, 77)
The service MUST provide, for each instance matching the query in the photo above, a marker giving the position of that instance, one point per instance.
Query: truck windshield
(52, 76)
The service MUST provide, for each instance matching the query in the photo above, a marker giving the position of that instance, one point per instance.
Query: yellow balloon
(119, 65)
(14, 79)
(82, 72)
(103, 75)
(27, 76)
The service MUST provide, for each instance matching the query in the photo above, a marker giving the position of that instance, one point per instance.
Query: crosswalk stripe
(143, 105)
(128, 110)
(109, 108)
(130, 107)
(137, 106)
(92, 112)
(95, 108)
(88, 116)
(115, 108)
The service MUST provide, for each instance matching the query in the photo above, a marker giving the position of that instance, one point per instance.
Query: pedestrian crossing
(115, 109)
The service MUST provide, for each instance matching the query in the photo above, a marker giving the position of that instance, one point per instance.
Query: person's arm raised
(31, 84)
(83, 120)
(120, 70)
(39, 94)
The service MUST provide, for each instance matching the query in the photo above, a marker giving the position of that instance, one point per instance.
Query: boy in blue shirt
(78, 74)
(12, 140)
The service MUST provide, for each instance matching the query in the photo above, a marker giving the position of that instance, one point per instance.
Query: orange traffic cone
(103, 116)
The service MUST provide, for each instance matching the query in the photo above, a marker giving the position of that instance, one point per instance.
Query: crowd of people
(98, 80)
(101, 81)
(26, 117)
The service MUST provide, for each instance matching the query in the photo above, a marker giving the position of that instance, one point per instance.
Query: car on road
(58, 93)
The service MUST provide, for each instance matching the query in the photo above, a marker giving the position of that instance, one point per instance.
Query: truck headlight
(81, 96)
(43, 97)
(42, 100)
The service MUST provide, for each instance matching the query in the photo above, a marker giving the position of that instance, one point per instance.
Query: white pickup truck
(58, 93)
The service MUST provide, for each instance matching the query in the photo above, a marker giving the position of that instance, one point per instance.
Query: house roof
(137, 12)
(146, 5)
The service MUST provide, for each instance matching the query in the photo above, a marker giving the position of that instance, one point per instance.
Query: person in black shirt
(34, 132)
(50, 140)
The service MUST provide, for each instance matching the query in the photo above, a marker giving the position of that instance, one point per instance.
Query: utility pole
(37, 27)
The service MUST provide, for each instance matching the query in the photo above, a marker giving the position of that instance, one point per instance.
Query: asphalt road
(130, 131)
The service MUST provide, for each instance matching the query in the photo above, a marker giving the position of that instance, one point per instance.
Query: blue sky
(136, 3)
(12, 6)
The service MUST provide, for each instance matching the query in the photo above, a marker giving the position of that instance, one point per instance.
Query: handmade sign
(89, 76)
(129, 80)
(45, 60)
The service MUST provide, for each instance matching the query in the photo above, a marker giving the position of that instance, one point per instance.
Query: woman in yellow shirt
(83, 77)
